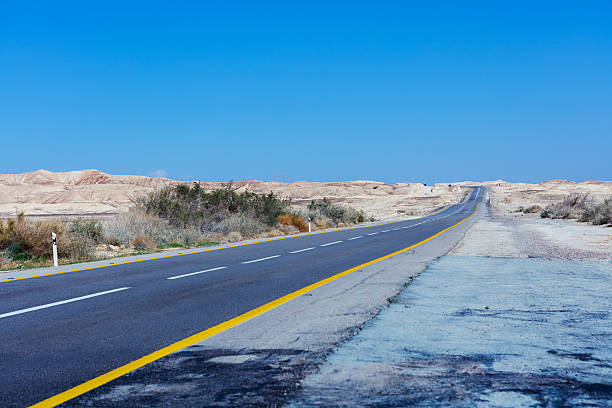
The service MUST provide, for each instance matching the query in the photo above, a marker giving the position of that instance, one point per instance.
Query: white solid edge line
(261, 259)
(350, 239)
(331, 243)
(196, 273)
(61, 302)
(301, 250)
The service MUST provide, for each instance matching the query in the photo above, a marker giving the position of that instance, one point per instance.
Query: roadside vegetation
(580, 207)
(173, 217)
(532, 209)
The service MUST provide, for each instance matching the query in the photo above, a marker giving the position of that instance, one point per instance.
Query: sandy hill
(507, 196)
(92, 192)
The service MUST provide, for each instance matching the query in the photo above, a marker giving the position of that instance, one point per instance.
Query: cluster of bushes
(25, 239)
(329, 214)
(572, 206)
(249, 214)
(175, 216)
(222, 210)
(144, 231)
(581, 207)
(600, 214)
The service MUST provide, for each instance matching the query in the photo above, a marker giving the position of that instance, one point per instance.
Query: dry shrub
(274, 232)
(599, 214)
(33, 238)
(299, 223)
(532, 209)
(247, 227)
(234, 236)
(321, 223)
(7, 232)
(141, 243)
(124, 228)
(572, 206)
(333, 214)
(284, 219)
(295, 220)
(287, 229)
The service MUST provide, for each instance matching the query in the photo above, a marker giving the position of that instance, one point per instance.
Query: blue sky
(321, 91)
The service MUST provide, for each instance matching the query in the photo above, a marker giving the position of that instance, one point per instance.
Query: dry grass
(143, 244)
(125, 228)
(33, 239)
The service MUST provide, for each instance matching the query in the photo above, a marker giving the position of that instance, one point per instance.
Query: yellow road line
(213, 331)
(208, 250)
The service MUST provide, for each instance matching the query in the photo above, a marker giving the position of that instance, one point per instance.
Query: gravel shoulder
(529, 236)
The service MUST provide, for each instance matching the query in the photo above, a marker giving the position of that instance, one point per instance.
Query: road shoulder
(517, 315)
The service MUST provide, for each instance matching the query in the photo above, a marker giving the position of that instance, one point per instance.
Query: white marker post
(54, 237)
(309, 229)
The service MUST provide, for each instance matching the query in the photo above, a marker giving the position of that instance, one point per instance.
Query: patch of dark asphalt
(453, 381)
(198, 377)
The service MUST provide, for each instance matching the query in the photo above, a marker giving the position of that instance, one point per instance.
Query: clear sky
(321, 91)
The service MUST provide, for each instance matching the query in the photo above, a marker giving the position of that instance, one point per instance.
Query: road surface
(60, 331)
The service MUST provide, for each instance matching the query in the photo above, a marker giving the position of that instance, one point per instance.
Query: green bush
(325, 210)
(185, 206)
(91, 230)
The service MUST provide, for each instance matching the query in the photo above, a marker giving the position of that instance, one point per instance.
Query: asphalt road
(59, 331)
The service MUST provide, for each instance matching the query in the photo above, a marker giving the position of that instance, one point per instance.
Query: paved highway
(57, 332)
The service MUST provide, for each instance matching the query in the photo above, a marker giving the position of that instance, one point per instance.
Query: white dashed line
(385, 231)
(350, 239)
(374, 233)
(196, 273)
(331, 243)
(301, 250)
(395, 229)
(61, 302)
(261, 259)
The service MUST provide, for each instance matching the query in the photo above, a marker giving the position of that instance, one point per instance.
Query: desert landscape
(92, 192)
(306, 204)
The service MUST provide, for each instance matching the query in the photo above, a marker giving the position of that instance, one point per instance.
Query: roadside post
(309, 229)
(54, 237)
